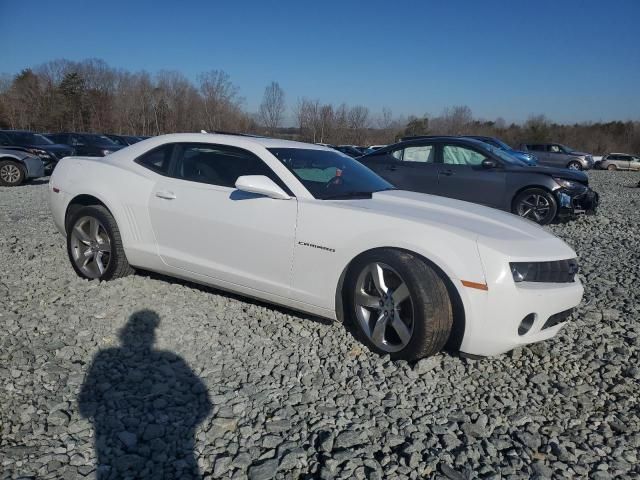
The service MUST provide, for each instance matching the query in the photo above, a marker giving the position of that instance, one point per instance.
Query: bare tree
(272, 107)
(220, 97)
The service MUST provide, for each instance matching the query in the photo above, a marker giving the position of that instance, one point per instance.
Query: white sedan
(309, 228)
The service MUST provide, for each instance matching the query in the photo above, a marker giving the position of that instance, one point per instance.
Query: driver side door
(203, 224)
(463, 177)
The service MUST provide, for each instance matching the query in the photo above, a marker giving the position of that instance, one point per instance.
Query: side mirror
(261, 185)
(489, 163)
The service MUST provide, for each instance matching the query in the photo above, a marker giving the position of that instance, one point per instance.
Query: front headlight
(559, 271)
(39, 152)
(568, 184)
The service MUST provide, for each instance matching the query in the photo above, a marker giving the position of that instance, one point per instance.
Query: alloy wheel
(90, 247)
(10, 173)
(384, 308)
(574, 166)
(535, 206)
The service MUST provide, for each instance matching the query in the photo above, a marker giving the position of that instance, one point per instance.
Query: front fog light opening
(526, 324)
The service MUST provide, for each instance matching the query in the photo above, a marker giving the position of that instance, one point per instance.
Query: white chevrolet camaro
(309, 228)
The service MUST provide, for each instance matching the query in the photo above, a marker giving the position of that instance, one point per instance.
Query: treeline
(91, 96)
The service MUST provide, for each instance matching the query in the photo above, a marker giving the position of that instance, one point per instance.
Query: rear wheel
(11, 173)
(612, 168)
(398, 304)
(94, 244)
(536, 204)
(574, 165)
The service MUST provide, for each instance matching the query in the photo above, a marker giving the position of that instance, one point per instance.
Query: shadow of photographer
(145, 405)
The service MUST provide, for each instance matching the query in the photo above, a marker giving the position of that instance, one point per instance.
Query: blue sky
(572, 60)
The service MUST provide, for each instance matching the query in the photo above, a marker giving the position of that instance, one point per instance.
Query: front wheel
(537, 205)
(574, 165)
(611, 168)
(11, 173)
(398, 304)
(94, 245)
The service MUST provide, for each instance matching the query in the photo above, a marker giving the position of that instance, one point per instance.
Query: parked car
(558, 155)
(87, 144)
(350, 150)
(123, 140)
(526, 157)
(17, 166)
(474, 171)
(49, 152)
(309, 228)
(620, 161)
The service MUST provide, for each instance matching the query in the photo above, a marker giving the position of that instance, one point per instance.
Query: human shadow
(145, 405)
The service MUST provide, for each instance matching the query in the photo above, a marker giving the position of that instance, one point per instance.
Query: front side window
(555, 149)
(157, 159)
(455, 155)
(218, 165)
(328, 174)
(536, 148)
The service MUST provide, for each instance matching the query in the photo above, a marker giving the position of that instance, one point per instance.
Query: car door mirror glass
(261, 185)
(489, 163)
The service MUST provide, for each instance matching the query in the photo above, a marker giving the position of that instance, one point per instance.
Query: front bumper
(494, 317)
(34, 167)
(571, 203)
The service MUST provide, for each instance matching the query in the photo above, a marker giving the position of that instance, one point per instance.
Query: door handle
(166, 195)
(447, 173)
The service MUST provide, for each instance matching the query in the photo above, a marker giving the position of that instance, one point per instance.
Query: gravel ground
(246, 390)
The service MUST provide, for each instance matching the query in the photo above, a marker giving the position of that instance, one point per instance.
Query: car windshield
(99, 139)
(329, 174)
(501, 144)
(506, 156)
(28, 138)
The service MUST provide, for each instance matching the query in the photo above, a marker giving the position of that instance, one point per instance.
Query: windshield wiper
(347, 195)
(354, 195)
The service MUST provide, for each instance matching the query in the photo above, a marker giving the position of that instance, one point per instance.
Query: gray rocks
(294, 397)
(263, 471)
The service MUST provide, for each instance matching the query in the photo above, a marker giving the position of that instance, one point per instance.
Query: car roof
(234, 140)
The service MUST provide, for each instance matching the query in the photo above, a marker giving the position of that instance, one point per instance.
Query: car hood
(498, 230)
(574, 175)
(55, 148)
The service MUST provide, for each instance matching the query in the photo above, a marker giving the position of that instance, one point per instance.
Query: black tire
(543, 217)
(118, 265)
(574, 165)
(12, 173)
(432, 314)
(611, 168)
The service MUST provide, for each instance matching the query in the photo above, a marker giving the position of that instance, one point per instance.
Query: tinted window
(119, 141)
(217, 165)
(536, 148)
(157, 159)
(455, 155)
(58, 138)
(28, 138)
(328, 174)
(4, 140)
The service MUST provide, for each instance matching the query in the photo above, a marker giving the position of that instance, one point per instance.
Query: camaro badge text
(320, 247)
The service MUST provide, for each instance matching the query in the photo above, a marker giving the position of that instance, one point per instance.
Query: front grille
(556, 319)
(560, 271)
